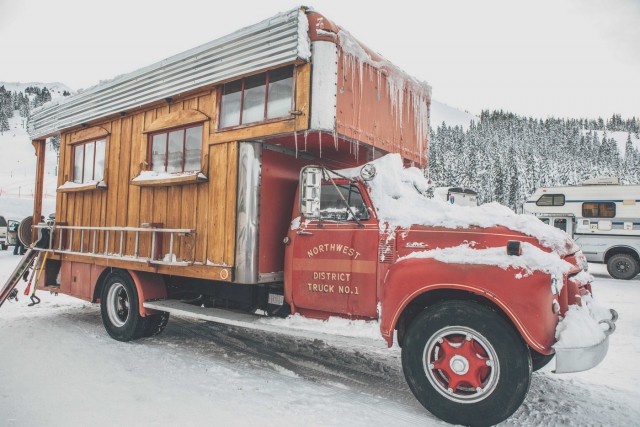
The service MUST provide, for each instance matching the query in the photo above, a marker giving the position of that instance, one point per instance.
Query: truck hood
(401, 204)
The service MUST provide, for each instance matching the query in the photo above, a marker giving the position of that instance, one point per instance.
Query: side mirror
(310, 184)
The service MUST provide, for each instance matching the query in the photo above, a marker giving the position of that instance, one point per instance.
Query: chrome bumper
(584, 358)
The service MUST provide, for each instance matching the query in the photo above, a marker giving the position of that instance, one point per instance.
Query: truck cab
(458, 314)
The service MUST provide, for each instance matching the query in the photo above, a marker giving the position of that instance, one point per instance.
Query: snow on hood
(532, 258)
(398, 194)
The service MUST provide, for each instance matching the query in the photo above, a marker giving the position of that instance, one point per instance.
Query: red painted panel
(368, 112)
(279, 175)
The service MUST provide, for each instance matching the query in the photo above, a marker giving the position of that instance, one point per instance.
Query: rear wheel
(623, 266)
(119, 308)
(466, 364)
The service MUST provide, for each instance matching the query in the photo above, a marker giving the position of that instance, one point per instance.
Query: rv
(602, 216)
(212, 185)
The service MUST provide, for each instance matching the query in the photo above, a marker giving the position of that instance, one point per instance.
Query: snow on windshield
(399, 199)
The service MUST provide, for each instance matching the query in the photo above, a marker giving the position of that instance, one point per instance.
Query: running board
(259, 323)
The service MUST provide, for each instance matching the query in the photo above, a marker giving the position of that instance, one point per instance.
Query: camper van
(602, 216)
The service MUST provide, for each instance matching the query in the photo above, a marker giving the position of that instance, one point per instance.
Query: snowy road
(59, 367)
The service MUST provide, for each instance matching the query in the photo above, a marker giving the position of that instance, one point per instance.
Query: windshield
(332, 206)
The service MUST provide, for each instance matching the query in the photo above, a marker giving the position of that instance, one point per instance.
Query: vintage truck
(228, 181)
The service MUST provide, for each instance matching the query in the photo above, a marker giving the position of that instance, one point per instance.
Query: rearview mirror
(310, 184)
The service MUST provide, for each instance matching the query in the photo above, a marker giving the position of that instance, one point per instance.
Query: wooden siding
(208, 207)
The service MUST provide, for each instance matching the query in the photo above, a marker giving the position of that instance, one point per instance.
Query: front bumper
(584, 358)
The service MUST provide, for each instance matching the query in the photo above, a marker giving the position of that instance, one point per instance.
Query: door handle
(304, 233)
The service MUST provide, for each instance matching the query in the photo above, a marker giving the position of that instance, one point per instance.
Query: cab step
(261, 323)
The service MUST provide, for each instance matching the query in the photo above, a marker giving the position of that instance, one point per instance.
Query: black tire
(119, 308)
(623, 267)
(155, 324)
(539, 361)
(3, 247)
(485, 335)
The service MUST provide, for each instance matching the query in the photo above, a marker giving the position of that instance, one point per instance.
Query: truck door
(333, 259)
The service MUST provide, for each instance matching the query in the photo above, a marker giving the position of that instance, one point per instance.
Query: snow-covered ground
(59, 367)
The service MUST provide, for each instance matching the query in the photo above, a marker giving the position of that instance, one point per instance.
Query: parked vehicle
(212, 184)
(456, 195)
(3, 233)
(602, 216)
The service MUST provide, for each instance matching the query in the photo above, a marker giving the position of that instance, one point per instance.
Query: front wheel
(466, 364)
(119, 308)
(623, 267)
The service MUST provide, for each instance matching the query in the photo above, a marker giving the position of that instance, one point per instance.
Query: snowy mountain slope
(18, 161)
(17, 172)
(56, 88)
(441, 112)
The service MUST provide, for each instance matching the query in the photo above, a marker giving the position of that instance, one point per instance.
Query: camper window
(88, 161)
(176, 150)
(551, 200)
(598, 209)
(257, 98)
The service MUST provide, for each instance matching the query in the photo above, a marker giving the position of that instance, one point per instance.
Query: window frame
(599, 210)
(75, 146)
(184, 144)
(553, 200)
(266, 100)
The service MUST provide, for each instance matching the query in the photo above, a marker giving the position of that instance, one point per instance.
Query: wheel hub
(461, 364)
(118, 305)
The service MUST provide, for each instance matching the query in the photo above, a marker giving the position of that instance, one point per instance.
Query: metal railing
(71, 239)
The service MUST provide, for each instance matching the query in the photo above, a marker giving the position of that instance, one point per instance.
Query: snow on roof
(398, 195)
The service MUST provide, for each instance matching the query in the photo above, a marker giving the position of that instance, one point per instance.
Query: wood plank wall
(207, 207)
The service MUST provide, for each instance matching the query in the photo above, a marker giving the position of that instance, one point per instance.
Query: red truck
(230, 179)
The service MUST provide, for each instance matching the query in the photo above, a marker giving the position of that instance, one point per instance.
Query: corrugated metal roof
(272, 42)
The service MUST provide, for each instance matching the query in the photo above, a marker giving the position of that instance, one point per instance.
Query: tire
(155, 324)
(623, 267)
(539, 361)
(443, 334)
(119, 308)
(3, 247)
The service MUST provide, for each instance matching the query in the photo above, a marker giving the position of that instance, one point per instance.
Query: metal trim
(248, 212)
(267, 44)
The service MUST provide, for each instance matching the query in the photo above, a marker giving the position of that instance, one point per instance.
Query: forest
(505, 157)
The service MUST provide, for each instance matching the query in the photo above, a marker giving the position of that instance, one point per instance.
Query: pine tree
(4, 122)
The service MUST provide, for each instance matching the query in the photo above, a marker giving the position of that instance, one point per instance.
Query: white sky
(564, 58)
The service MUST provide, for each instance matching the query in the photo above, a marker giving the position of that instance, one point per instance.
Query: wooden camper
(348, 106)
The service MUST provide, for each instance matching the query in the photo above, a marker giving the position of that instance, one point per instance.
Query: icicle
(306, 133)
(295, 138)
(320, 142)
(335, 139)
